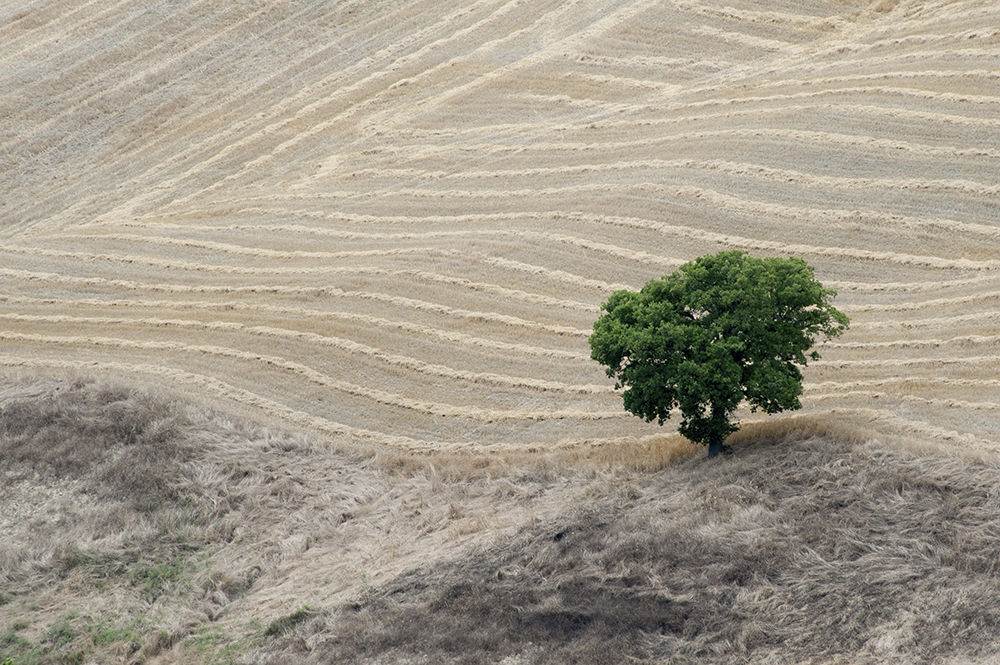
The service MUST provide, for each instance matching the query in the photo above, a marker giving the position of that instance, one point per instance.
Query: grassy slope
(159, 534)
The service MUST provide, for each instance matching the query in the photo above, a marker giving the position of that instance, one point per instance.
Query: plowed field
(395, 221)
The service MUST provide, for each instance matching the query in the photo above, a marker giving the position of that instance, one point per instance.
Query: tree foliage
(721, 329)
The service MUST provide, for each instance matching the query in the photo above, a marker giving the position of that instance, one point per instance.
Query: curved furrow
(961, 340)
(741, 242)
(308, 101)
(263, 289)
(538, 237)
(981, 318)
(906, 94)
(258, 252)
(326, 124)
(904, 383)
(349, 346)
(753, 171)
(215, 306)
(109, 82)
(990, 78)
(190, 266)
(647, 124)
(215, 387)
(927, 401)
(800, 249)
(898, 223)
(935, 302)
(848, 219)
(823, 138)
(912, 287)
(318, 378)
(277, 118)
(978, 362)
(252, 251)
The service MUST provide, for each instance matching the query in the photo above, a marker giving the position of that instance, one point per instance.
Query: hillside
(144, 531)
(359, 247)
(395, 221)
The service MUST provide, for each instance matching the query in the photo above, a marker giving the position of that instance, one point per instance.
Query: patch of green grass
(208, 640)
(282, 625)
(155, 580)
(105, 636)
(12, 639)
(60, 634)
(214, 646)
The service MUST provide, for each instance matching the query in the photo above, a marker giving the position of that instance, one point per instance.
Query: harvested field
(395, 221)
(387, 227)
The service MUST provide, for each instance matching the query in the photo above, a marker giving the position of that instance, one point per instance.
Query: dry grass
(225, 543)
(799, 548)
(114, 500)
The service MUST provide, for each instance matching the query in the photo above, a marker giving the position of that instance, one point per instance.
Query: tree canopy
(721, 329)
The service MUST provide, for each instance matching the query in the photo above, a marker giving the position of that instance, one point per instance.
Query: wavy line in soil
(410, 303)
(511, 294)
(449, 337)
(318, 378)
(390, 359)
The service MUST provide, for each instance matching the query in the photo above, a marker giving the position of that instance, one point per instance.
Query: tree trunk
(715, 447)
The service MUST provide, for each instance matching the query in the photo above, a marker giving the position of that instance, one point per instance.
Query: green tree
(721, 329)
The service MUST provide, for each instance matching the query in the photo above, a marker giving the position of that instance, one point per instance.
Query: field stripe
(913, 399)
(693, 233)
(661, 119)
(318, 378)
(757, 172)
(534, 237)
(963, 340)
(792, 248)
(511, 294)
(228, 248)
(923, 304)
(410, 303)
(904, 383)
(945, 321)
(448, 337)
(910, 287)
(213, 386)
(975, 361)
(390, 359)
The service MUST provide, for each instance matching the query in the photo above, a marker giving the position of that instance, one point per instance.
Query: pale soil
(396, 221)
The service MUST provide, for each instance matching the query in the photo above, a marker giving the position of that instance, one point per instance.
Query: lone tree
(723, 328)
